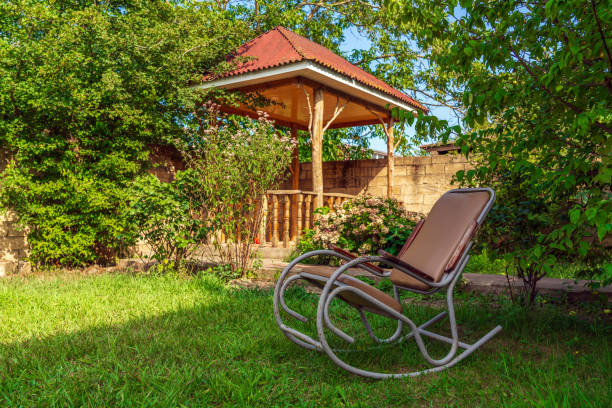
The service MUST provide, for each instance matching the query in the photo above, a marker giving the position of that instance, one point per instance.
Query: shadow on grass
(229, 352)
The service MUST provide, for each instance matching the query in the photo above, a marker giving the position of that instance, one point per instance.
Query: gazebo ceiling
(290, 105)
(286, 68)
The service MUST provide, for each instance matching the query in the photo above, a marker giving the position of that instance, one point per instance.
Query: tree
(536, 81)
(84, 88)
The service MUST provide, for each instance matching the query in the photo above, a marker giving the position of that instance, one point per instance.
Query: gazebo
(311, 88)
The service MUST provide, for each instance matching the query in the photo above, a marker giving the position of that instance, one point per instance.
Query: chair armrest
(353, 256)
(404, 265)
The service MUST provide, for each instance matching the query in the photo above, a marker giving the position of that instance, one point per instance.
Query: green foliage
(73, 219)
(84, 87)
(224, 272)
(337, 144)
(536, 87)
(306, 243)
(364, 225)
(166, 219)
(234, 161)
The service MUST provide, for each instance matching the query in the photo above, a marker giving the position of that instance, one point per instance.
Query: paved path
(472, 282)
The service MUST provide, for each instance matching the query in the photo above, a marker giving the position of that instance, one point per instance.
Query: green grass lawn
(480, 263)
(108, 340)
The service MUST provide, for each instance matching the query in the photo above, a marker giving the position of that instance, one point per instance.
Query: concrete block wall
(13, 242)
(418, 181)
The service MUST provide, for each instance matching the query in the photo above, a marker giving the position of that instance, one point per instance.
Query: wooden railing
(287, 213)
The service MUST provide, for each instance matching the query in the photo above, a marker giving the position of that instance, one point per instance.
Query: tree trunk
(317, 141)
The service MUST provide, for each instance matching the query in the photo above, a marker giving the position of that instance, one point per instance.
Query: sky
(355, 41)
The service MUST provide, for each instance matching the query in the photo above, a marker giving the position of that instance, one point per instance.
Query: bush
(84, 88)
(233, 161)
(166, 219)
(362, 225)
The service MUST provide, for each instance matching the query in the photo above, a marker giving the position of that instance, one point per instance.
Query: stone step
(273, 254)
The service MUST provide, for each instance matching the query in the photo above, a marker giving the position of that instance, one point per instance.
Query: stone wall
(165, 162)
(13, 243)
(418, 181)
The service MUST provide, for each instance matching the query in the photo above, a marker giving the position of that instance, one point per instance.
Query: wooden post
(264, 219)
(274, 221)
(316, 139)
(390, 159)
(295, 183)
(307, 212)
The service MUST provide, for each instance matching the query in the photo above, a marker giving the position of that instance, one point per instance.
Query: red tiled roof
(280, 46)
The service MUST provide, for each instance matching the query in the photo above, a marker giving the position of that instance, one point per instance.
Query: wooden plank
(342, 125)
(307, 212)
(335, 92)
(300, 199)
(264, 219)
(295, 183)
(242, 111)
(295, 180)
(267, 85)
(281, 192)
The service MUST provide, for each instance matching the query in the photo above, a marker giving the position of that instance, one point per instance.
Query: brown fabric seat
(320, 276)
(446, 231)
(399, 278)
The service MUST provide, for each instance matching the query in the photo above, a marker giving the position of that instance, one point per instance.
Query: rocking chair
(432, 259)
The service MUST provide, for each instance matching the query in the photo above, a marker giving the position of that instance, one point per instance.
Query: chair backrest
(448, 229)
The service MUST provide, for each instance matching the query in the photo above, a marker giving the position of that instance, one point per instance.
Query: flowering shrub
(230, 163)
(362, 225)
(234, 161)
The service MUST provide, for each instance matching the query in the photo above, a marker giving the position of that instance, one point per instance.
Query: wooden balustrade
(287, 213)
